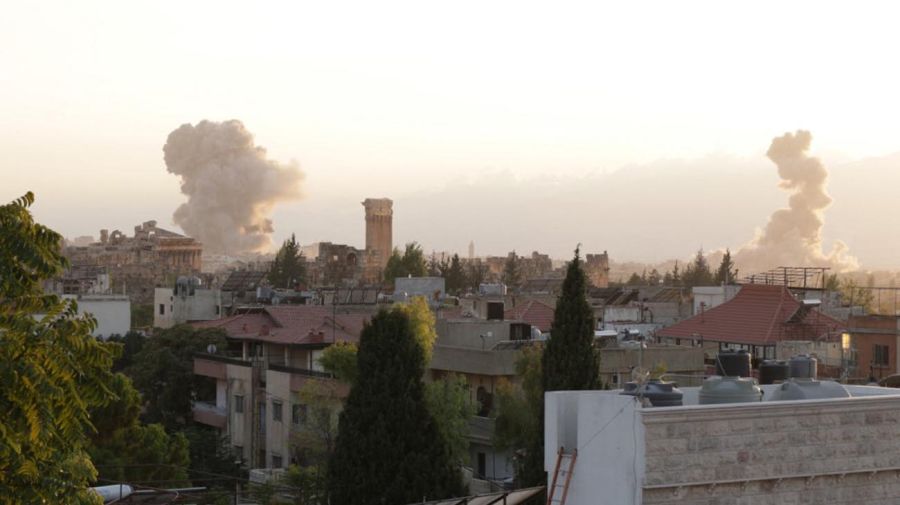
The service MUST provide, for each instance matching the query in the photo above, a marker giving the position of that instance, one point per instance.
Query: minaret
(471, 250)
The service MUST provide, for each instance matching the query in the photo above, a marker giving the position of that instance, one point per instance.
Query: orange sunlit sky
(636, 127)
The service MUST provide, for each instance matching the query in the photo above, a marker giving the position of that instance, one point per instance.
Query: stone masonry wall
(836, 452)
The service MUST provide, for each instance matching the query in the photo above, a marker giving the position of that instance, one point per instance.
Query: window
(238, 404)
(162, 309)
(217, 310)
(276, 413)
(276, 461)
(298, 413)
(880, 355)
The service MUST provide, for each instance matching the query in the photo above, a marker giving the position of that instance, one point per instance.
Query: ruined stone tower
(379, 237)
(596, 266)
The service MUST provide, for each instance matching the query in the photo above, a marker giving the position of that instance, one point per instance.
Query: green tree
(52, 371)
(449, 404)
(512, 271)
(131, 344)
(410, 263)
(519, 410)
(569, 362)
(697, 273)
(340, 360)
(726, 274)
(289, 268)
(163, 371)
(307, 483)
(634, 280)
(454, 275)
(654, 278)
(389, 448)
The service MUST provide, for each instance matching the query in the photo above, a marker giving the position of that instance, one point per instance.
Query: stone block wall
(825, 451)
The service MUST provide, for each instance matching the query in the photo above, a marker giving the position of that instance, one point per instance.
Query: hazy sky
(402, 99)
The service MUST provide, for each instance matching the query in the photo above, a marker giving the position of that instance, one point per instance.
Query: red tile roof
(291, 325)
(533, 312)
(758, 315)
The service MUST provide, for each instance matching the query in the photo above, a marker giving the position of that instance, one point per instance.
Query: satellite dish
(211, 348)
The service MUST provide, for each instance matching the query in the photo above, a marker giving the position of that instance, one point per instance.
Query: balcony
(214, 365)
(302, 376)
(210, 414)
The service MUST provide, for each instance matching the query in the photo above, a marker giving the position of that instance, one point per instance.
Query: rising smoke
(230, 184)
(793, 236)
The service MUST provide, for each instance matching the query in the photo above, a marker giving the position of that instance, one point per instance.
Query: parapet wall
(843, 451)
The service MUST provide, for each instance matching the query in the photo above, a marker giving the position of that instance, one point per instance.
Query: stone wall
(826, 451)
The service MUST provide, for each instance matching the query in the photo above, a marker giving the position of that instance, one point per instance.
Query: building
(760, 318)
(681, 364)
(379, 235)
(707, 297)
(112, 313)
(831, 450)
(188, 301)
(596, 266)
(138, 264)
(874, 344)
(432, 288)
(260, 380)
(329, 264)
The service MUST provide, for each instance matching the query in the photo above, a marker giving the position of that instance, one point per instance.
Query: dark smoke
(230, 184)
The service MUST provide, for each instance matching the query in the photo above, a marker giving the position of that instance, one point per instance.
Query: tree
(512, 271)
(131, 344)
(52, 371)
(289, 268)
(519, 410)
(634, 280)
(476, 273)
(454, 276)
(389, 448)
(340, 360)
(726, 274)
(312, 443)
(449, 404)
(654, 278)
(569, 362)
(697, 273)
(410, 263)
(163, 371)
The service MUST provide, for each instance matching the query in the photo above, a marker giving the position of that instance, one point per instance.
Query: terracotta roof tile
(291, 325)
(533, 312)
(758, 314)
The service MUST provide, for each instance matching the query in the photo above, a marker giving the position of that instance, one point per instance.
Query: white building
(112, 312)
(835, 450)
(707, 297)
(184, 303)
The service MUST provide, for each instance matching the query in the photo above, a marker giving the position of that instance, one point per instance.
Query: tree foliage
(697, 273)
(449, 404)
(726, 273)
(389, 447)
(52, 371)
(512, 271)
(289, 268)
(340, 360)
(163, 371)
(454, 275)
(476, 274)
(410, 263)
(519, 411)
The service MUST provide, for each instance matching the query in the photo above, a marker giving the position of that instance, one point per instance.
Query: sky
(432, 104)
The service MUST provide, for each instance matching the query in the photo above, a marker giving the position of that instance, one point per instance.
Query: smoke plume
(793, 236)
(230, 184)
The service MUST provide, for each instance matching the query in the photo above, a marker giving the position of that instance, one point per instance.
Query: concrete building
(596, 266)
(136, 265)
(681, 364)
(432, 288)
(274, 355)
(112, 312)
(874, 345)
(834, 450)
(707, 297)
(186, 302)
(379, 234)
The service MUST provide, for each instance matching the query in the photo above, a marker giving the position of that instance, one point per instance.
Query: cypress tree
(389, 448)
(570, 361)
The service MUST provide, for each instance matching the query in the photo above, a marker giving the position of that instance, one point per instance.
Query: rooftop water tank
(729, 390)
(809, 389)
(803, 366)
(660, 394)
(733, 363)
(772, 371)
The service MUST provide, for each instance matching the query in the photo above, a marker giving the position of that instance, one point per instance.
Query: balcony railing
(300, 371)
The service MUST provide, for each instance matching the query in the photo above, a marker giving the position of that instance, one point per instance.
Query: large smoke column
(230, 184)
(793, 236)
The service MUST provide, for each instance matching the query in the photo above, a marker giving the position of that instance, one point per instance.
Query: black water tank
(803, 366)
(495, 311)
(733, 363)
(772, 371)
(660, 394)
